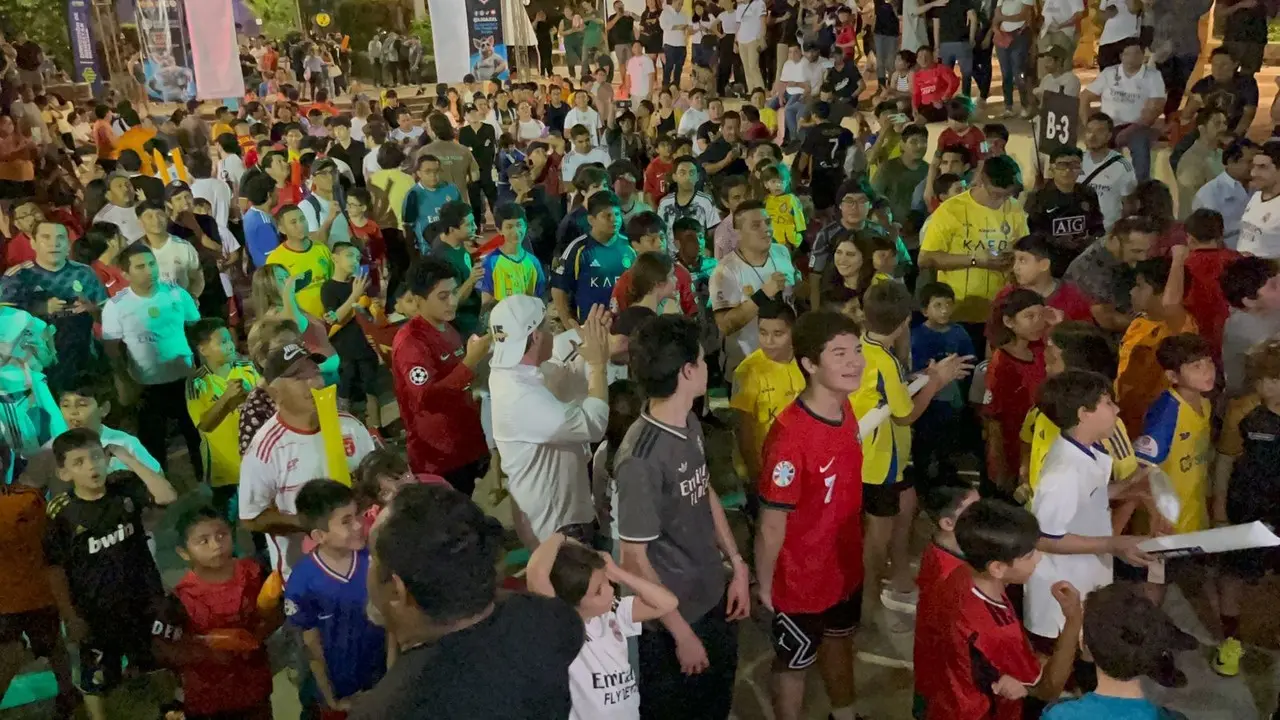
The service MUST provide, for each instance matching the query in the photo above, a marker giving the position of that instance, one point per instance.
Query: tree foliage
(279, 17)
(44, 21)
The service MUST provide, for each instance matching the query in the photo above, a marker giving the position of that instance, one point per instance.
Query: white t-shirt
(750, 17)
(1111, 185)
(1124, 25)
(1060, 11)
(729, 283)
(125, 218)
(588, 118)
(1013, 7)
(602, 682)
(729, 22)
(670, 19)
(1123, 96)
(370, 164)
(412, 134)
(530, 130)
(793, 71)
(1067, 84)
(357, 128)
(339, 231)
(176, 259)
(1260, 227)
(574, 160)
(690, 121)
(1071, 500)
(640, 73)
(279, 461)
(153, 330)
(1229, 197)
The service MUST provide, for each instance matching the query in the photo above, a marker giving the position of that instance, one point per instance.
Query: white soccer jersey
(733, 281)
(1115, 181)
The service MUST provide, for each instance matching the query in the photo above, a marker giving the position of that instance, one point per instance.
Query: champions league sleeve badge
(784, 473)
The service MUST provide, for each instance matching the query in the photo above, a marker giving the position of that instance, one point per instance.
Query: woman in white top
(1011, 35)
(528, 128)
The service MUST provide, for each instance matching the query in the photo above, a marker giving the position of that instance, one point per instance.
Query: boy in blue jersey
(326, 597)
(423, 202)
(1176, 435)
(511, 269)
(587, 270)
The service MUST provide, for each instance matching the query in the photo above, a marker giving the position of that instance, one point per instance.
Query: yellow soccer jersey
(762, 388)
(884, 382)
(1176, 436)
(1039, 432)
(312, 267)
(963, 226)
(787, 218)
(221, 445)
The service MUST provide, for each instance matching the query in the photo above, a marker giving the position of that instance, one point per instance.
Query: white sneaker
(900, 602)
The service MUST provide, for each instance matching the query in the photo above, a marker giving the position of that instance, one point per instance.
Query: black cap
(287, 360)
(177, 187)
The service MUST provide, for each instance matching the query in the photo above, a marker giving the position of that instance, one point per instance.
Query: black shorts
(358, 379)
(796, 637)
(111, 639)
(883, 500)
(42, 629)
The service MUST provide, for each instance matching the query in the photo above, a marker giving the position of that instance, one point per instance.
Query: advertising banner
(488, 49)
(166, 60)
(84, 61)
(214, 54)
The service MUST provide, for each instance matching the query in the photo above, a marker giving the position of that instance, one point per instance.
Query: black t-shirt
(513, 665)
(826, 145)
(102, 547)
(623, 32)
(954, 17)
(1072, 219)
(29, 55)
(1251, 494)
(482, 143)
(886, 20)
(1232, 97)
(542, 31)
(718, 150)
(553, 117)
(784, 31)
(353, 156)
(1248, 25)
(348, 340)
(213, 298)
(846, 82)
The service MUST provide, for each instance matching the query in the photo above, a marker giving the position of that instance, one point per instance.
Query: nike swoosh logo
(829, 462)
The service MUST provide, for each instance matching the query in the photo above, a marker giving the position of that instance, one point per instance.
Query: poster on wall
(166, 58)
(83, 60)
(488, 48)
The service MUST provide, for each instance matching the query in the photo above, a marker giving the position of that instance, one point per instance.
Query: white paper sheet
(1217, 540)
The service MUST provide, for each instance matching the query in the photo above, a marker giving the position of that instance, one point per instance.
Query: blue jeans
(886, 53)
(1139, 143)
(1013, 65)
(790, 113)
(949, 53)
(981, 71)
(672, 63)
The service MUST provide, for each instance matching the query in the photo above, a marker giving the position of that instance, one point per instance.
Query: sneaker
(900, 601)
(1226, 661)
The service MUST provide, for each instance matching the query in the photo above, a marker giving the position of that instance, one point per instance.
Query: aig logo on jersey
(115, 537)
(1069, 225)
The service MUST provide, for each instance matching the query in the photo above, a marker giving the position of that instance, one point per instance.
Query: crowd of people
(574, 292)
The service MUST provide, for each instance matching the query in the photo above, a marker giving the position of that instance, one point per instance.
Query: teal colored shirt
(468, 318)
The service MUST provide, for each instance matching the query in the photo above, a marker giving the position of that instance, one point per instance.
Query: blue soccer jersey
(587, 271)
(318, 597)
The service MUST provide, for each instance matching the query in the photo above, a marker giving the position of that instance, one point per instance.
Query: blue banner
(84, 61)
(488, 47)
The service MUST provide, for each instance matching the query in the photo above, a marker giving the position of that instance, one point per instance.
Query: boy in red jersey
(809, 541)
(212, 629)
(984, 666)
(1205, 260)
(433, 370)
(941, 557)
(1014, 374)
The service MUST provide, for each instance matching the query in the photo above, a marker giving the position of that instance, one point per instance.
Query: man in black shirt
(726, 154)
(1235, 93)
(345, 148)
(466, 650)
(105, 582)
(781, 34)
(1245, 32)
(622, 33)
(479, 137)
(1065, 210)
(823, 155)
(554, 113)
(202, 232)
(542, 33)
(955, 32)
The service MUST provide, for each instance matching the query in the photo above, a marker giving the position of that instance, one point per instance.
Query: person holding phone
(344, 295)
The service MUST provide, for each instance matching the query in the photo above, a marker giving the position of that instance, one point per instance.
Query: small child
(933, 340)
(82, 407)
(1013, 377)
(960, 131)
(202, 206)
(215, 393)
(326, 597)
(1205, 260)
(378, 478)
(984, 666)
(764, 384)
(1073, 507)
(997, 140)
(786, 215)
(511, 269)
(884, 257)
(944, 506)
(213, 631)
(366, 235)
(1033, 258)
(648, 233)
(104, 579)
(344, 295)
(898, 88)
(584, 578)
(1157, 297)
(1127, 636)
(657, 175)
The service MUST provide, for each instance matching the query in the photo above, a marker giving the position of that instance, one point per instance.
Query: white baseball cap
(512, 321)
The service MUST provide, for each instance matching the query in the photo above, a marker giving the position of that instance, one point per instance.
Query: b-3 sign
(1059, 122)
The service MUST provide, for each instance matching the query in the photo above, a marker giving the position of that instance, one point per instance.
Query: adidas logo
(595, 263)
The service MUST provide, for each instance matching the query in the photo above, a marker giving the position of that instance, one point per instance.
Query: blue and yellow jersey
(1176, 436)
(312, 266)
(221, 445)
(587, 271)
(884, 382)
(505, 275)
(1039, 432)
(786, 216)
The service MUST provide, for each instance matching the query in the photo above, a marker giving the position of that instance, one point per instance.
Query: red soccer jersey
(972, 140)
(433, 388)
(812, 469)
(211, 688)
(655, 179)
(684, 292)
(18, 250)
(936, 566)
(1066, 299)
(1203, 299)
(982, 640)
(1011, 391)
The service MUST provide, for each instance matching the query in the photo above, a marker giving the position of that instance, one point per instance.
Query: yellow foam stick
(335, 452)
